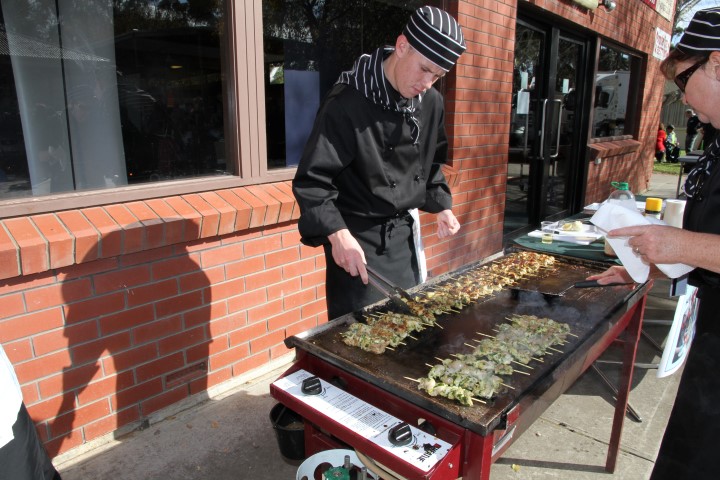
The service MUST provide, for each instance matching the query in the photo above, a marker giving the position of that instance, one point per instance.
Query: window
(112, 94)
(612, 109)
(168, 96)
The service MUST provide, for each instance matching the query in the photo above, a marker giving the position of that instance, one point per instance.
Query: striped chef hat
(702, 33)
(436, 35)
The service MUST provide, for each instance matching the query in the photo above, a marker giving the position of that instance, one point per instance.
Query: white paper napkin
(611, 216)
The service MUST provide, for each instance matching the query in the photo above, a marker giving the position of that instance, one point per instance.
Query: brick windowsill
(35, 244)
(613, 146)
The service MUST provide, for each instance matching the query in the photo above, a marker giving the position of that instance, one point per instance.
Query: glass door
(545, 134)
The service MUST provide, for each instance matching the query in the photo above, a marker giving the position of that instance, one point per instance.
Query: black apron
(389, 249)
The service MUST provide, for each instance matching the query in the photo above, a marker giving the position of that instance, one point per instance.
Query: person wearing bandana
(689, 445)
(375, 152)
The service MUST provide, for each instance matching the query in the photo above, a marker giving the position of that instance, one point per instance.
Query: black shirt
(692, 125)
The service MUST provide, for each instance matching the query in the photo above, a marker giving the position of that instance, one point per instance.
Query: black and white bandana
(367, 77)
(696, 178)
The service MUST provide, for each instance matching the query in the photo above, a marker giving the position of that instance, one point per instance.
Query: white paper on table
(611, 216)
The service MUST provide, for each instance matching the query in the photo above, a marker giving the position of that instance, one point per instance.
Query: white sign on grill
(423, 452)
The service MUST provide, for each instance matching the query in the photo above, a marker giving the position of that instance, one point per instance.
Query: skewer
(526, 366)
(485, 335)
(412, 379)
(428, 365)
(573, 335)
(478, 400)
(555, 350)
(507, 386)
(440, 359)
(538, 359)
(471, 346)
(410, 336)
(520, 371)
(390, 348)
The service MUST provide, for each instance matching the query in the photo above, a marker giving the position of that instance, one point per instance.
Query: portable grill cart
(353, 385)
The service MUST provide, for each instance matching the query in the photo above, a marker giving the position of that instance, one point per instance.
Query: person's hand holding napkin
(610, 218)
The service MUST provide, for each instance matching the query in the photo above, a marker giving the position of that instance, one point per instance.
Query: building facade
(148, 242)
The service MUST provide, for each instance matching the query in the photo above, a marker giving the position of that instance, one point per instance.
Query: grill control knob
(311, 386)
(400, 434)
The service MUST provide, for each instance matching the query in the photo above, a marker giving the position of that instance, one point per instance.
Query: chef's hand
(654, 243)
(348, 253)
(614, 274)
(447, 224)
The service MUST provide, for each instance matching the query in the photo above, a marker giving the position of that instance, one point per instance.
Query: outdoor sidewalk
(230, 435)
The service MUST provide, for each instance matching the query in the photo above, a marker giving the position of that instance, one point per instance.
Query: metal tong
(397, 296)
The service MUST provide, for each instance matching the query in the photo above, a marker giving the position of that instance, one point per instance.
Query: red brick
(128, 359)
(174, 223)
(149, 331)
(257, 218)
(246, 334)
(283, 320)
(134, 395)
(68, 380)
(283, 192)
(159, 367)
(94, 307)
(300, 268)
(204, 351)
(263, 343)
(42, 366)
(247, 300)
(282, 257)
(173, 267)
(132, 231)
(9, 256)
(193, 219)
(202, 279)
(262, 279)
(183, 340)
(298, 299)
(245, 267)
(300, 326)
(33, 247)
(228, 289)
(315, 308)
(121, 280)
(152, 293)
(92, 351)
(227, 212)
(228, 357)
(57, 294)
(60, 242)
(110, 231)
(221, 255)
(273, 205)
(153, 226)
(243, 211)
(30, 324)
(283, 288)
(105, 387)
(163, 400)
(180, 303)
(18, 351)
(209, 216)
(57, 339)
(265, 311)
(88, 413)
(250, 363)
(11, 305)
(126, 320)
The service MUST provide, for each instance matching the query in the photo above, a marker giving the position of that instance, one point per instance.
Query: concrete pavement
(229, 434)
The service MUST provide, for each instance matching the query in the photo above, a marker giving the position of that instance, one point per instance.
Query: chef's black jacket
(360, 161)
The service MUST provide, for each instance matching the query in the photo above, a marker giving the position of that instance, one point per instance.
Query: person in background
(672, 150)
(22, 455)
(691, 130)
(660, 144)
(689, 446)
(375, 152)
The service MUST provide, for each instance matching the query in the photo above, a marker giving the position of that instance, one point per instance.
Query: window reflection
(306, 46)
(113, 94)
(612, 84)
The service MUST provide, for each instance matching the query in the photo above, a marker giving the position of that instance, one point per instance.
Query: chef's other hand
(614, 274)
(447, 224)
(348, 253)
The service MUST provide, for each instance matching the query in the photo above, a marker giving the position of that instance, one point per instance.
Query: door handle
(557, 145)
(542, 129)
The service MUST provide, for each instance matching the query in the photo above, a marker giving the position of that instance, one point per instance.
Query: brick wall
(110, 314)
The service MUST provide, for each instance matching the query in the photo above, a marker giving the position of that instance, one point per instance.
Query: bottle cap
(620, 185)
(653, 204)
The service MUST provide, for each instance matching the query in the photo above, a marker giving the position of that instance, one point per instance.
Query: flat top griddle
(589, 312)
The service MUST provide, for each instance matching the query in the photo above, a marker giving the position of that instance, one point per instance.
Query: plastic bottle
(622, 196)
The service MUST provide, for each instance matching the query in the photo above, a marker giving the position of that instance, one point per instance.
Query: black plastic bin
(290, 432)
